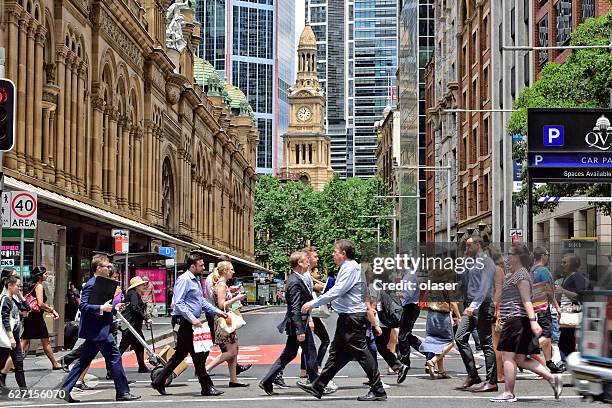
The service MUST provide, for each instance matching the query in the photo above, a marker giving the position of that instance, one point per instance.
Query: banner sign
(157, 277)
(570, 145)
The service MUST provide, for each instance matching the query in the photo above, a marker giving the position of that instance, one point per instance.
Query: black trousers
(567, 340)
(482, 321)
(406, 339)
(17, 356)
(129, 340)
(382, 345)
(184, 346)
(289, 352)
(321, 332)
(350, 343)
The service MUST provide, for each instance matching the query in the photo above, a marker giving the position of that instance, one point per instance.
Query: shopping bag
(202, 339)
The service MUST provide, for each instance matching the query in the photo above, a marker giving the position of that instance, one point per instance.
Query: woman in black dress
(519, 336)
(34, 326)
(136, 314)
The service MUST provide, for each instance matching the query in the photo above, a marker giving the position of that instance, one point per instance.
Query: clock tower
(306, 147)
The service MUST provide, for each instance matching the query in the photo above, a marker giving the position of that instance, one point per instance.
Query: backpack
(391, 310)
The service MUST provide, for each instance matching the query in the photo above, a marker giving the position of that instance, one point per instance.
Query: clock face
(304, 114)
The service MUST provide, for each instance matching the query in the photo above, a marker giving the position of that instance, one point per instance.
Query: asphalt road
(261, 343)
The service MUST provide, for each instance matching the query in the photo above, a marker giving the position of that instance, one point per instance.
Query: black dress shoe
(211, 392)
(237, 385)
(143, 370)
(267, 387)
(65, 395)
(127, 397)
(159, 388)
(241, 368)
(370, 396)
(310, 389)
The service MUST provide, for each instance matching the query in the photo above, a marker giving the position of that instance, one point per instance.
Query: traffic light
(7, 114)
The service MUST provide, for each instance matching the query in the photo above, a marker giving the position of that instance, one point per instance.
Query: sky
(299, 22)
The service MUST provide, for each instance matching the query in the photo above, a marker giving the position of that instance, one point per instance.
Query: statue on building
(174, 28)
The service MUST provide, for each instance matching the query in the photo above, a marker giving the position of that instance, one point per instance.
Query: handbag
(32, 301)
(236, 321)
(5, 342)
(321, 312)
(202, 339)
(570, 319)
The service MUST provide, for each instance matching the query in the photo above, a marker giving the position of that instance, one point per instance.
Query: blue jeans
(556, 331)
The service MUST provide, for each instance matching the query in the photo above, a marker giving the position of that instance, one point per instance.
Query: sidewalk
(38, 368)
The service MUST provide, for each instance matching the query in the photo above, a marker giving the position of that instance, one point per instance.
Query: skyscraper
(250, 44)
(357, 60)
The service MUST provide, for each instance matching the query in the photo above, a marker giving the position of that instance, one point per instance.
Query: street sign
(255, 275)
(573, 145)
(516, 234)
(122, 240)
(7, 114)
(7, 262)
(19, 210)
(167, 251)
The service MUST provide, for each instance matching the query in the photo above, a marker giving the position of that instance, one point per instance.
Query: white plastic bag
(202, 339)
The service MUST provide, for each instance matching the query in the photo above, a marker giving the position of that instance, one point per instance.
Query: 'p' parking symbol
(553, 135)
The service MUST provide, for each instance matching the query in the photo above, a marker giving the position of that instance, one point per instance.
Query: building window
(485, 83)
(474, 96)
(512, 24)
(474, 198)
(513, 82)
(543, 39)
(526, 63)
(485, 193)
(485, 30)
(464, 61)
(475, 147)
(474, 47)
(564, 21)
(464, 155)
(464, 206)
(485, 136)
(588, 9)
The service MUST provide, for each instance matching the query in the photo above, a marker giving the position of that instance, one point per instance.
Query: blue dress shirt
(480, 280)
(188, 298)
(348, 293)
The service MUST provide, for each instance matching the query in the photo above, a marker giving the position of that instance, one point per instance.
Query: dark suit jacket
(296, 294)
(135, 311)
(94, 326)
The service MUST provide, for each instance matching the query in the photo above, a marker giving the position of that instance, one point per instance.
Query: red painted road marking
(259, 355)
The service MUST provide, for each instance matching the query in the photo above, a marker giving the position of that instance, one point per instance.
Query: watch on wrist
(533, 319)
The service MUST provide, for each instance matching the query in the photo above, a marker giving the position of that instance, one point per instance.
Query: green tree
(289, 215)
(583, 81)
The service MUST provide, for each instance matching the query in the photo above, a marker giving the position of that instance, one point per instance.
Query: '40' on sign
(19, 210)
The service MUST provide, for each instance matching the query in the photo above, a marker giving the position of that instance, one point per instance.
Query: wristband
(533, 319)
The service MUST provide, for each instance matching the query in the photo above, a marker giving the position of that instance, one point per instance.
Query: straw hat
(136, 281)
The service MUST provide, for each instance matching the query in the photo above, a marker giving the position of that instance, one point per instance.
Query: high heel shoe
(431, 369)
(443, 376)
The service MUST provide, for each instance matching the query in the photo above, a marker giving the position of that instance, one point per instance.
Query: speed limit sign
(24, 210)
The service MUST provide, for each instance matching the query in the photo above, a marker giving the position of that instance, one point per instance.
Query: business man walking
(295, 323)
(188, 305)
(96, 328)
(348, 299)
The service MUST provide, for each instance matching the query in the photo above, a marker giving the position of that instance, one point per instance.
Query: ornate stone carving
(124, 43)
(50, 72)
(174, 29)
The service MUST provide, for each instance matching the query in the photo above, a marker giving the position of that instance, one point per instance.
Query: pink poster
(158, 278)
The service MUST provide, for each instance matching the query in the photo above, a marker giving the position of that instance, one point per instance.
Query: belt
(357, 314)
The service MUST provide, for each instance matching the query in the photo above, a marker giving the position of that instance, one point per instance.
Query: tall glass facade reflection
(416, 40)
(357, 56)
(250, 44)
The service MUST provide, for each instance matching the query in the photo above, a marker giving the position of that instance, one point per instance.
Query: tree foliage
(583, 81)
(290, 215)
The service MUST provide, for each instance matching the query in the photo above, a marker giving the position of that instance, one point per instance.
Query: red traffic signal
(7, 114)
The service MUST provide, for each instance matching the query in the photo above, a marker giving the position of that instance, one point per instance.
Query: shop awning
(215, 252)
(66, 203)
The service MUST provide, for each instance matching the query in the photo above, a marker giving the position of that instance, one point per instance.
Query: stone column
(121, 122)
(148, 180)
(51, 143)
(138, 171)
(10, 158)
(98, 149)
(45, 146)
(106, 153)
(75, 101)
(20, 141)
(67, 119)
(30, 93)
(59, 136)
(82, 132)
(112, 157)
(38, 89)
(125, 165)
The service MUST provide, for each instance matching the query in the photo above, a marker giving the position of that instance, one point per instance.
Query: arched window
(167, 194)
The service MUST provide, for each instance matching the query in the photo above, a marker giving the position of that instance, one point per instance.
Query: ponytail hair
(221, 267)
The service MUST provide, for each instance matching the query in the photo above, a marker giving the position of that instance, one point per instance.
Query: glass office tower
(251, 45)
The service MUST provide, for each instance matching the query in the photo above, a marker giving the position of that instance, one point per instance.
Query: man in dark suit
(295, 323)
(96, 329)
